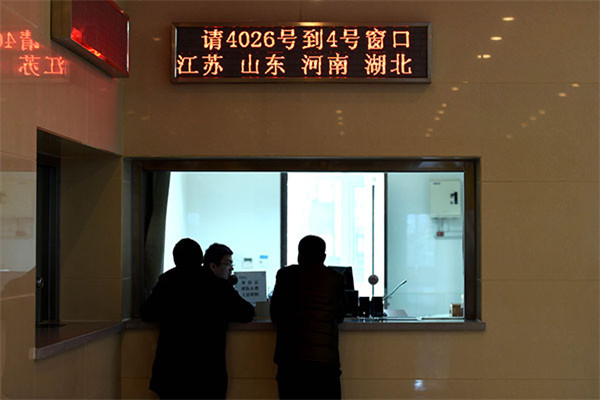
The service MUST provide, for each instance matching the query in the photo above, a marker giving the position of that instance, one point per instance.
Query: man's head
(187, 253)
(218, 260)
(311, 251)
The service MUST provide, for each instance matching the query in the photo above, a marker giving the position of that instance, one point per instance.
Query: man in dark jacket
(193, 306)
(307, 304)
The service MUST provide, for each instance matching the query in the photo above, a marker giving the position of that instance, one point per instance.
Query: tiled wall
(81, 106)
(530, 112)
(91, 223)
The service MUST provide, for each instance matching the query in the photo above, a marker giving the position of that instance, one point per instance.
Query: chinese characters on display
(251, 285)
(29, 62)
(250, 288)
(301, 52)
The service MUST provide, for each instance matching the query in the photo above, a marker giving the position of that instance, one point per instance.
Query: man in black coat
(193, 305)
(307, 304)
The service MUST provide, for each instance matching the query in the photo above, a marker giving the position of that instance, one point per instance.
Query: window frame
(468, 165)
(48, 239)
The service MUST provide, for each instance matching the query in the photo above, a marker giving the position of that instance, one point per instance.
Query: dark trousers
(309, 381)
(205, 387)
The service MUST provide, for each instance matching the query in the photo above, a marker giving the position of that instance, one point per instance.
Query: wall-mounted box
(445, 198)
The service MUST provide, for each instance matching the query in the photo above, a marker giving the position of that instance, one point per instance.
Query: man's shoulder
(169, 275)
(288, 275)
(288, 270)
(333, 275)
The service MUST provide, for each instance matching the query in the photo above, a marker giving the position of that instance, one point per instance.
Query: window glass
(399, 226)
(238, 209)
(346, 210)
(425, 219)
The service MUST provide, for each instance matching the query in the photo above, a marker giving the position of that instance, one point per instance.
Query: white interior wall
(247, 219)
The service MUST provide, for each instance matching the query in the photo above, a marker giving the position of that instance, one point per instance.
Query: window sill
(411, 324)
(357, 324)
(50, 341)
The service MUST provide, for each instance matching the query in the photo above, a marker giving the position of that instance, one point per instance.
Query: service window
(412, 224)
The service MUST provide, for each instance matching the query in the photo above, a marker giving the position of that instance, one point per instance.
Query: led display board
(97, 30)
(301, 52)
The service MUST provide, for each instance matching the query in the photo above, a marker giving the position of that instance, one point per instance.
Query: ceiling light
(496, 38)
(455, 88)
(575, 84)
(562, 94)
(508, 19)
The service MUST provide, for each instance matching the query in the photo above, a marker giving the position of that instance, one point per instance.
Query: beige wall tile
(17, 330)
(17, 134)
(456, 45)
(540, 389)
(542, 336)
(90, 299)
(393, 388)
(486, 364)
(136, 388)
(10, 162)
(252, 389)
(62, 105)
(61, 376)
(533, 134)
(90, 215)
(137, 353)
(104, 99)
(540, 230)
(419, 355)
(250, 361)
(468, 389)
(102, 359)
(243, 120)
(111, 392)
(15, 284)
(540, 329)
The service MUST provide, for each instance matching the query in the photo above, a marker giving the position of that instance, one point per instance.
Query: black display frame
(184, 36)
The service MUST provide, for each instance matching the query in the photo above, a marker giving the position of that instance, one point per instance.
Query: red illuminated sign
(97, 30)
(301, 52)
(28, 58)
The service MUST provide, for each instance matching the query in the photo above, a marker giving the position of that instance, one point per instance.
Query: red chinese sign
(29, 62)
(301, 52)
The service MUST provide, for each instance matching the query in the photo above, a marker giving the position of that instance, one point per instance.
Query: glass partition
(413, 224)
(425, 242)
(238, 209)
